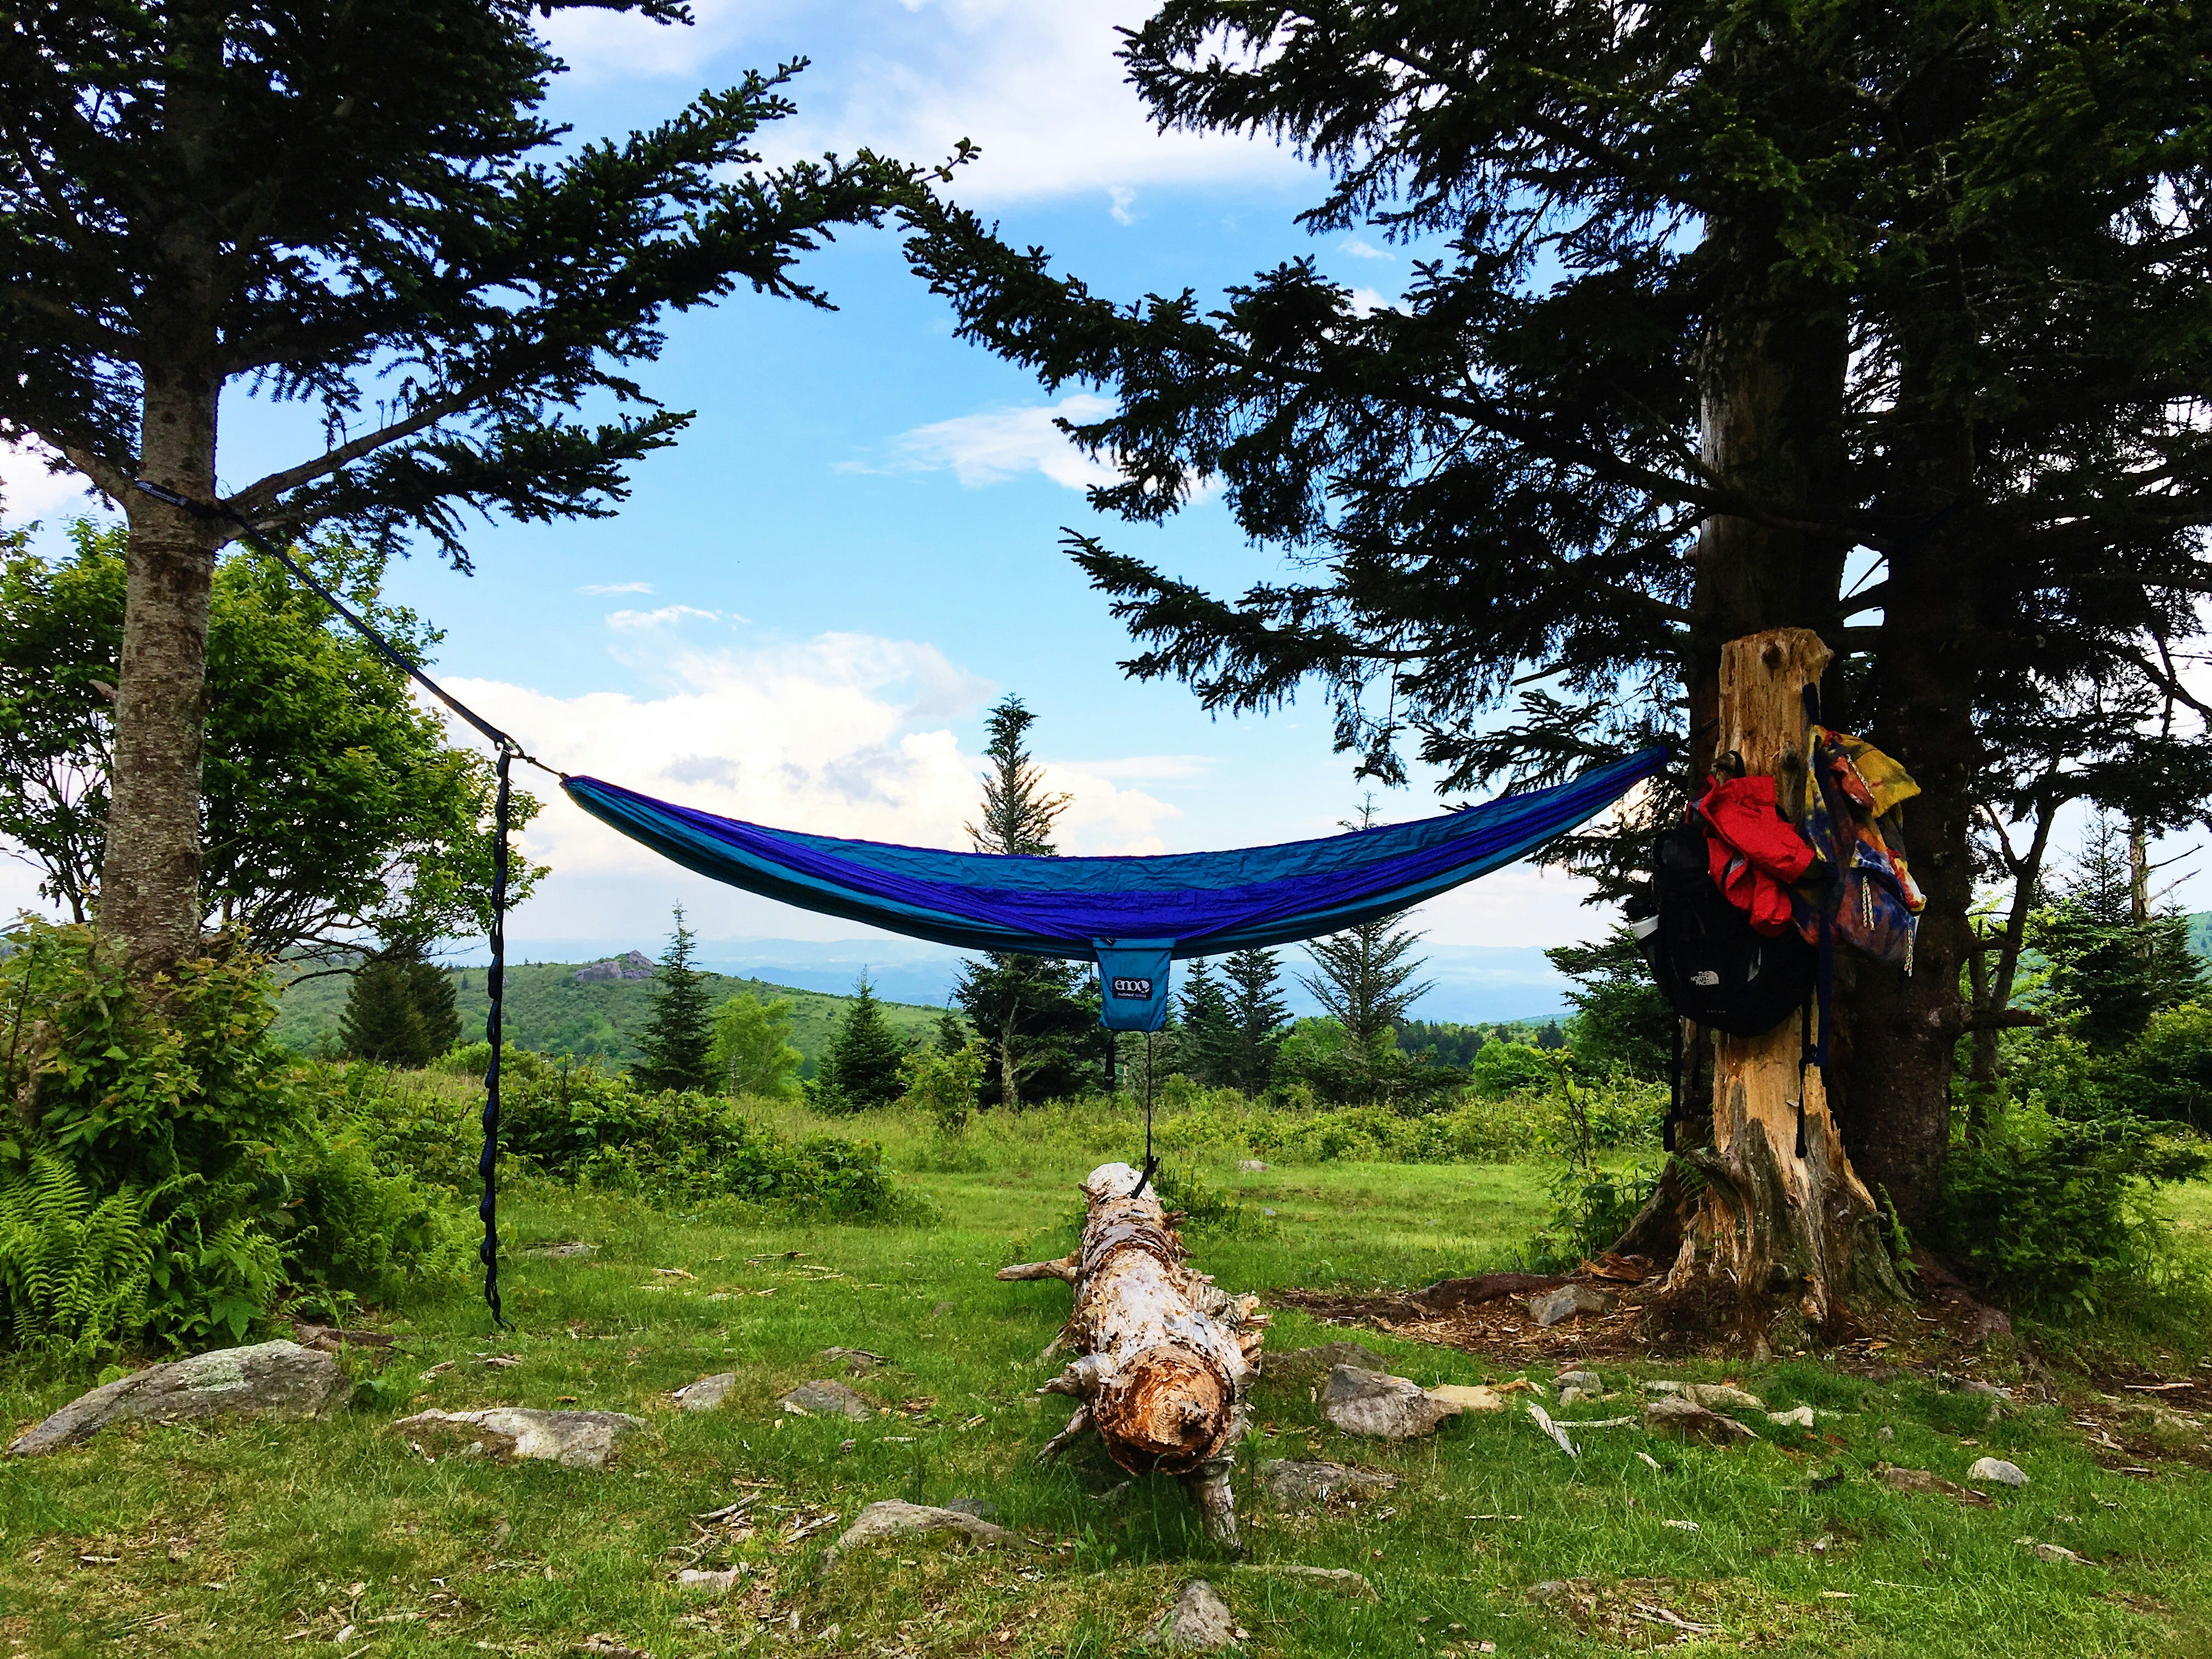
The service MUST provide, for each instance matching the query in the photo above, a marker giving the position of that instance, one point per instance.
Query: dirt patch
(1502, 1328)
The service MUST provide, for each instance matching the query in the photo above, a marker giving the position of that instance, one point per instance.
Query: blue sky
(803, 610)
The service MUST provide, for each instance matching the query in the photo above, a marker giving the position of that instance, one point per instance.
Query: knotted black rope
(508, 751)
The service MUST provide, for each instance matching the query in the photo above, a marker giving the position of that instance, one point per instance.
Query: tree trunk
(1010, 1085)
(1167, 1357)
(1776, 1224)
(150, 870)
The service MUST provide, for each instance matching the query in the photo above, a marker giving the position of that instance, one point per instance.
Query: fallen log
(1166, 1356)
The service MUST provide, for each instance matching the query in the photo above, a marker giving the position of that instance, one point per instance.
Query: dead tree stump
(1781, 1237)
(1166, 1356)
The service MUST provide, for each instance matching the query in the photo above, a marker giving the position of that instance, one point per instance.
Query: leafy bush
(170, 1180)
(580, 1124)
(944, 1083)
(2053, 1216)
(1591, 1206)
(2168, 1071)
(1206, 1208)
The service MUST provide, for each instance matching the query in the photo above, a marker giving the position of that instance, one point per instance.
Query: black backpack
(1710, 963)
(1706, 959)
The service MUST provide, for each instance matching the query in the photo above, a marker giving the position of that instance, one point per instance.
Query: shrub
(943, 1083)
(2168, 1071)
(2053, 1216)
(171, 1181)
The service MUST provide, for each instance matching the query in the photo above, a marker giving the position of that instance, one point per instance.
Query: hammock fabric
(1131, 915)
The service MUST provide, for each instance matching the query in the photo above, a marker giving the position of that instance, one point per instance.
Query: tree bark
(1784, 1234)
(151, 869)
(1167, 1357)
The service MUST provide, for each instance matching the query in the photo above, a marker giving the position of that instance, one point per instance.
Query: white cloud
(1365, 302)
(30, 490)
(599, 590)
(668, 615)
(1037, 87)
(1120, 195)
(1360, 250)
(841, 735)
(998, 443)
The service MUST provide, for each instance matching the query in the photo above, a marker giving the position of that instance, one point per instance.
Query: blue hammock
(1130, 915)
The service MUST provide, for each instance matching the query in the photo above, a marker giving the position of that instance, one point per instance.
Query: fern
(74, 1270)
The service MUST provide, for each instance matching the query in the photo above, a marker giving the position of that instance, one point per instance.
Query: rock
(331, 1338)
(823, 1398)
(858, 1362)
(1996, 1469)
(1801, 1418)
(276, 1380)
(1572, 1396)
(707, 1393)
(1662, 1386)
(1468, 1396)
(1686, 1420)
(575, 1440)
(1250, 1166)
(633, 964)
(558, 1252)
(893, 1519)
(1200, 1619)
(982, 1508)
(1722, 1397)
(1303, 1364)
(1556, 1307)
(1342, 1580)
(1549, 1591)
(1975, 1385)
(1288, 1483)
(1381, 1406)
(1588, 1381)
(720, 1583)
(2053, 1553)
(1927, 1483)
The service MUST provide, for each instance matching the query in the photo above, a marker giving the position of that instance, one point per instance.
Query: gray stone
(575, 1440)
(720, 1583)
(982, 1508)
(1975, 1385)
(2054, 1552)
(1289, 1483)
(1556, 1307)
(1200, 1621)
(1927, 1483)
(1588, 1381)
(1722, 1397)
(1549, 1591)
(1250, 1166)
(1342, 1580)
(1381, 1406)
(893, 1519)
(562, 1252)
(858, 1362)
(1685, 1420)
(1996, 1469)
(1311, 1364)
(277, 1380)
(707, 1393)
(633, 964)
(1801, 1418)
(823, 1398)
(1573, 1396)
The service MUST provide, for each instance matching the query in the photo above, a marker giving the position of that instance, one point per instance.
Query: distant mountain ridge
(551, 1008)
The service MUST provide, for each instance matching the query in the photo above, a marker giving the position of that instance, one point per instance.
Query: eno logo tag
(1140, 989)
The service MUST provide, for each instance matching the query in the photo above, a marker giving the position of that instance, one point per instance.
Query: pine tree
(2112, 972)
(431, 989)
(1363, 979)
(1204, 1040)
(1258, 1020)
(1030, 1013)
(1620, 1019)
(679, 1039)
(363, 208)
(860, 1067)
(382, 1022)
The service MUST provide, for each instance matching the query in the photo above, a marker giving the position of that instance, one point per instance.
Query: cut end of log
(1166, 1410)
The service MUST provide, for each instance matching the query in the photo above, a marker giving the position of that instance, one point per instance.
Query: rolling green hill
(2200, 932)
(549, 1011)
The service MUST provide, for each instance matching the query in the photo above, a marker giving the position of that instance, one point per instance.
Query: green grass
(547, 1011)
(228, 1540)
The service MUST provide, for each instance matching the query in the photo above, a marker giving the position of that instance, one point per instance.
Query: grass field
(338, 1538)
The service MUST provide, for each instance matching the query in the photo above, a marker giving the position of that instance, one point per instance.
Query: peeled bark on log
(1166, 1357)
(1773, 1227)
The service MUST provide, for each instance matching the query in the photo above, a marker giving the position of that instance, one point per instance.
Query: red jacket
(1755, 853)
